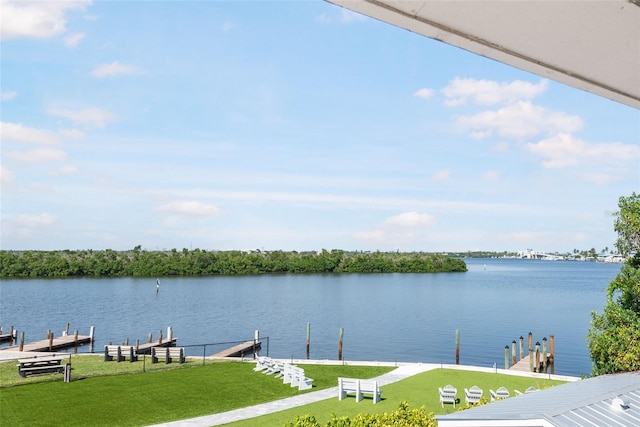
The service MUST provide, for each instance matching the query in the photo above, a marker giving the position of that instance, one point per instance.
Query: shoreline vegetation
(197, 262)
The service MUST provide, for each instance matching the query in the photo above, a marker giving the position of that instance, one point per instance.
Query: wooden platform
(523, 364)
(146, 347)
(247, 347)
(58, 343)
(6, 337)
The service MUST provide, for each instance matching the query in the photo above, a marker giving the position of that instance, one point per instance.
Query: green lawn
(124, 396)
(419, 390)
(121, 394)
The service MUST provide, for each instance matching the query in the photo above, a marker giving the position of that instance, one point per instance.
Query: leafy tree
(614, 336)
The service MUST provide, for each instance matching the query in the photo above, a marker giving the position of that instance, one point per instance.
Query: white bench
(120, 352)
(262, 363)
(167, 353)
(275, 368)
(448, 394)
(298, 379)
(359, 387)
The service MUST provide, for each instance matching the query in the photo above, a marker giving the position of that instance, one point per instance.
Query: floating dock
(240, 350)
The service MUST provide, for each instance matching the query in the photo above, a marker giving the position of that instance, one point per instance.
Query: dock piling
(340, 343)
(513, 352)
(552, 356)
(537, 369)
(457, 346)
(521, 347)
(308, 338)
(506, 357)
(21, 340)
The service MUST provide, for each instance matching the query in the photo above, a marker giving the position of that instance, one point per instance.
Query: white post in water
(91, 332)
(169, 333)
(256, 341)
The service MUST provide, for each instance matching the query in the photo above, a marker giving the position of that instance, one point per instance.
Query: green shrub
(402, 417)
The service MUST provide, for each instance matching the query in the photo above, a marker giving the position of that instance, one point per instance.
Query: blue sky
(294, 126)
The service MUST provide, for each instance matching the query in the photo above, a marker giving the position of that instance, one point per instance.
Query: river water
(386, 317)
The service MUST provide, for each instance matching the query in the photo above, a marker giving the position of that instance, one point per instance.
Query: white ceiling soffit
(593, 45)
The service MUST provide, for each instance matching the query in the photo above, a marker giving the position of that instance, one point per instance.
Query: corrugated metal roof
(582, 403)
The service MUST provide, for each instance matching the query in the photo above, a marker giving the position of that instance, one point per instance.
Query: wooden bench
(40, 365)
(359, 387)
(168, 354)
(120, 353)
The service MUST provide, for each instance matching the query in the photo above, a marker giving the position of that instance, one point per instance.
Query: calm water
(390, 317)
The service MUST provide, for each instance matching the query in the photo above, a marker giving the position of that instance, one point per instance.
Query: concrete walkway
(400, 373)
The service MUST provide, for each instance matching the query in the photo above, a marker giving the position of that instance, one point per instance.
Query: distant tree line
(197, 262)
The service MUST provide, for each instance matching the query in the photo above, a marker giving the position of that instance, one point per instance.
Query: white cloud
(71, 134)
(600, 179)
(66, 170)
(227, 27)
(94, 117)
(45, 19)
(487, 92)
(31, 221)
(42, 155)
(398, 231)
(8, 96)
(72, 40)
(27, 226)
(6, 178)
(19, 133)
(500, 147)
(411, 219)
(491, 176)
(518, 121)
(372, 235)
(441, 175)
(190, 208)
(564, 150)
(114, 69)
(424, 93)
(347, 16)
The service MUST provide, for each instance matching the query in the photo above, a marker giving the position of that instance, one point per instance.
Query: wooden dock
(57, 343)
(240, 350)
(146, 347)
(523, 365)
(7, 337)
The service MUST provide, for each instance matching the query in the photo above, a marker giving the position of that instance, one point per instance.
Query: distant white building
(530, 254)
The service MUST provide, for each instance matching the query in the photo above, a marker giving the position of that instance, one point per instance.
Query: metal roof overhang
(593, 45)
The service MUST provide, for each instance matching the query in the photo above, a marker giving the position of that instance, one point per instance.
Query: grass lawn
(121, 395)
(419, 390)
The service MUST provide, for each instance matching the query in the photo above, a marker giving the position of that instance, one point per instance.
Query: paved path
(397, 374)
